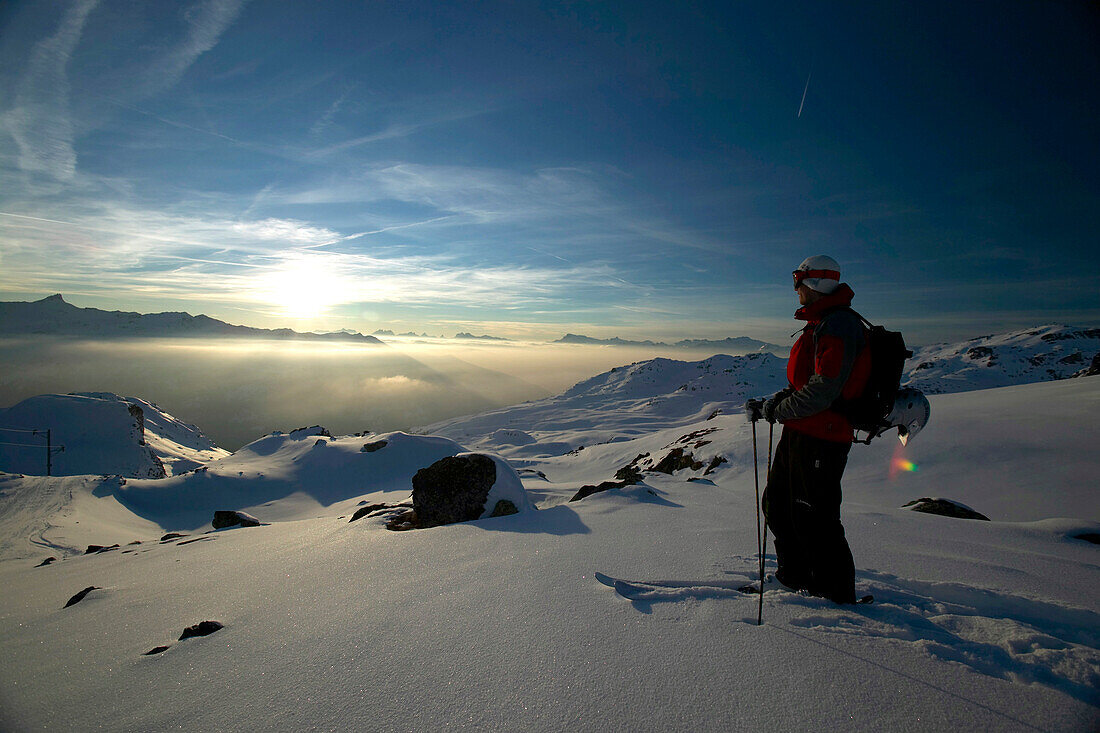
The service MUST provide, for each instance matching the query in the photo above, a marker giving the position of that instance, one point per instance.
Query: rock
(945, 508)
(1092, 537)
(172, 536)
(156, 650)
(99, 548)
(629, 475)
(453, 489)
(228, 518)
(589, 489)
(204, 628)
(365, 510)
(47, 561)
(504, 508)
(1093, 367)
(80, 596)
(677, 460)
(375, 446)
(714, 464)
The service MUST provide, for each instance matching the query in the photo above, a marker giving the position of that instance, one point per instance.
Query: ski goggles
(800, 275)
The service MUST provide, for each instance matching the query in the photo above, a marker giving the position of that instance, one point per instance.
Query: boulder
(466, 487)
(945, 508)
(228, 518)
(453, 489)
(375, 446)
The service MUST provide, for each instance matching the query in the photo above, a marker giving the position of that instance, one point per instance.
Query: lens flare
(900, 464)
(905, 465)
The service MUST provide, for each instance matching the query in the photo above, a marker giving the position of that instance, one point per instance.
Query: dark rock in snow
(453, 489)
(677, 460)
(504, 508)
(714, 464)
(227, 518)
(945, 508)
(47, 561)
(92, 549)
(205, 628)
(589, 489)
(1092, 537)
(1093, 368)
(156, 650)
(80, 596)
(375, 446)
(368, 509)
(172, 536)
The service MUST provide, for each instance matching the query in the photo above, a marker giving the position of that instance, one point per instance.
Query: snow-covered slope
(501, 623)
(101, 433)
(287, 476)
(1018, 357)
(627, 401)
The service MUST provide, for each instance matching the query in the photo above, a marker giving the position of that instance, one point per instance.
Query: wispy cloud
(206, 22)
(40, 121)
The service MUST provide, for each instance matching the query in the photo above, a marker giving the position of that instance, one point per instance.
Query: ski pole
(764, 543)
(756, 480)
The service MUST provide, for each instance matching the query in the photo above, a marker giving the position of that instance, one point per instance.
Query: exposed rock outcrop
(945, 508)
(228, 518)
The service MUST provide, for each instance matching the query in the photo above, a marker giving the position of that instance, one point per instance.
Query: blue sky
(526, 169)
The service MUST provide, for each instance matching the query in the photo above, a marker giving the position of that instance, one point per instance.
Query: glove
(752, 410)
(767, 410)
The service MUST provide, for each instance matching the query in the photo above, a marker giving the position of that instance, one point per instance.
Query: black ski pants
(802, 507)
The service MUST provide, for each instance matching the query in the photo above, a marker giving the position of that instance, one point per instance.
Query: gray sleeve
(820, 391)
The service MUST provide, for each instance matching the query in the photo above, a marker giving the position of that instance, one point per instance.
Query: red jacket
(829, 362)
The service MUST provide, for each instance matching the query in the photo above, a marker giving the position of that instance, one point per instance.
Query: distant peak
(55, 298)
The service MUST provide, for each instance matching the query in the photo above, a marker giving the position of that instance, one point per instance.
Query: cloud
(40, 121)
(197, 258)
(286, 230)
(207, 21)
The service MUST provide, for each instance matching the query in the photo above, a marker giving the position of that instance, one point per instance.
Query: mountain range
(739, 344)
(54, 316)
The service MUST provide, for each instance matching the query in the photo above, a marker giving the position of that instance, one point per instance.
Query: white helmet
(820, 273)
(910, 414)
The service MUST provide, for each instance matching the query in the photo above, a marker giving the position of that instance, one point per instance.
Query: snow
(1032, 355)
(500, 623)
(100, 433)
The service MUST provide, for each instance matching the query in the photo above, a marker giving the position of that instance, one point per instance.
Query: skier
(828, 363)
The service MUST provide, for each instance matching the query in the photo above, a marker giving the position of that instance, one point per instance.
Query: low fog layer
(237, 390)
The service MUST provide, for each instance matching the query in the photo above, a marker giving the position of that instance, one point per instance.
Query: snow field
(500, 624)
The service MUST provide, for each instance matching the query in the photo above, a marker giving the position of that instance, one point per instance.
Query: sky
(527, 169)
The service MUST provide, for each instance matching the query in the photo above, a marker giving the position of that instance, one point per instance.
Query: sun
(305, 289)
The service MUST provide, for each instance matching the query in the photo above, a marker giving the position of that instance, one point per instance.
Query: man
(801, 502)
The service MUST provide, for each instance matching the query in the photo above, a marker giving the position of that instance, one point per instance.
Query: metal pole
(764, 543)
(756, 479)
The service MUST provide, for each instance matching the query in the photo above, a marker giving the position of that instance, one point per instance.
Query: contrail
(800, 106)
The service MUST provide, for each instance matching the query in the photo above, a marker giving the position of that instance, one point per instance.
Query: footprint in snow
(993, 632)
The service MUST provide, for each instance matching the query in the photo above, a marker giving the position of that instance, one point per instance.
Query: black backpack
(867, 412)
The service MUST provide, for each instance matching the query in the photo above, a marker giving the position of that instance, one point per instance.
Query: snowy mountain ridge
(55, 317)
(1017, 357)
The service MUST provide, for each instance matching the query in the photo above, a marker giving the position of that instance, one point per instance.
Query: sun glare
(305, 289)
